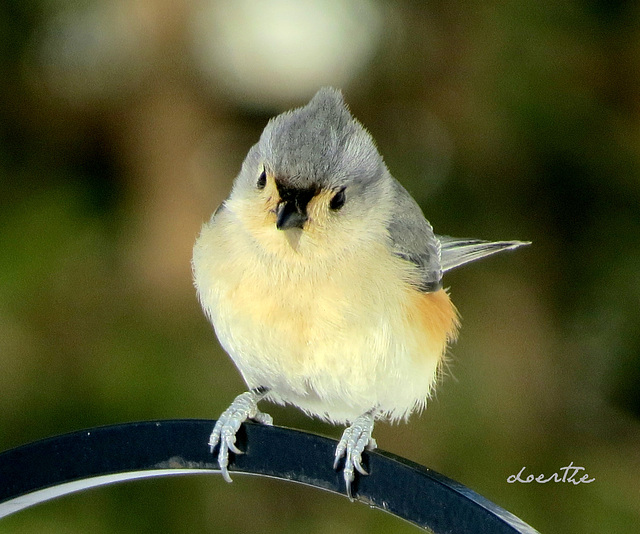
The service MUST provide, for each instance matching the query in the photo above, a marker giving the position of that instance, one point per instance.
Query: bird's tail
(455, 251)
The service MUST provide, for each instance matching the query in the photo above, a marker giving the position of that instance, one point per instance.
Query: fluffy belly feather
(334, 342)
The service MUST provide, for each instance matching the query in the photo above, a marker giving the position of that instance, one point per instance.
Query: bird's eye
(262, 179)
(338, 200)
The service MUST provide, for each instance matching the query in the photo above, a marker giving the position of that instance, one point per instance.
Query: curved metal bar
(40, 471)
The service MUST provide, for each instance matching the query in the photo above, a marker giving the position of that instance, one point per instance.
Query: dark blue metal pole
(57, 466)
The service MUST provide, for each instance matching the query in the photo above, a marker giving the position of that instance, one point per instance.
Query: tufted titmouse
(323, 281)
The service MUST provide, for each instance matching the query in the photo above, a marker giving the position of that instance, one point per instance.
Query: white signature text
(569, 474)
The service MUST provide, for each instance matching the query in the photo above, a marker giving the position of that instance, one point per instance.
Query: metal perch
(40, 471)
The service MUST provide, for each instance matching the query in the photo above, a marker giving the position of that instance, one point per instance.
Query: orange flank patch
(437, 318)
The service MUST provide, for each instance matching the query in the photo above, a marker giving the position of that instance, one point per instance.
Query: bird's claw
(355, 439)
(244, 406)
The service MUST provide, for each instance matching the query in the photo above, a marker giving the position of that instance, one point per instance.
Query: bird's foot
(244, 406)
(355, 439)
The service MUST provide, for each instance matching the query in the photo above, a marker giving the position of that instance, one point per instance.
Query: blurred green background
(122, 125)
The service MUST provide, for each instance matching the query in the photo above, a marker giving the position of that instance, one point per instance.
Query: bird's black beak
(289, 215)
(292, 208)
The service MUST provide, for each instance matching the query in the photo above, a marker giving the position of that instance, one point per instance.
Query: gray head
(320, 144)
(316, 171)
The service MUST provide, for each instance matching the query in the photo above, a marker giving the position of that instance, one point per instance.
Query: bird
(323, 281)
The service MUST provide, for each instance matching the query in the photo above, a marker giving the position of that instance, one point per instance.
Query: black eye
(262, 179)
(338, 200)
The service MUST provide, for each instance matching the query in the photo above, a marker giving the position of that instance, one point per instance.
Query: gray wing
(412, 239)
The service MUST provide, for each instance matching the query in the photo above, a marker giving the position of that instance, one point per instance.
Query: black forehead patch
(300, 197)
